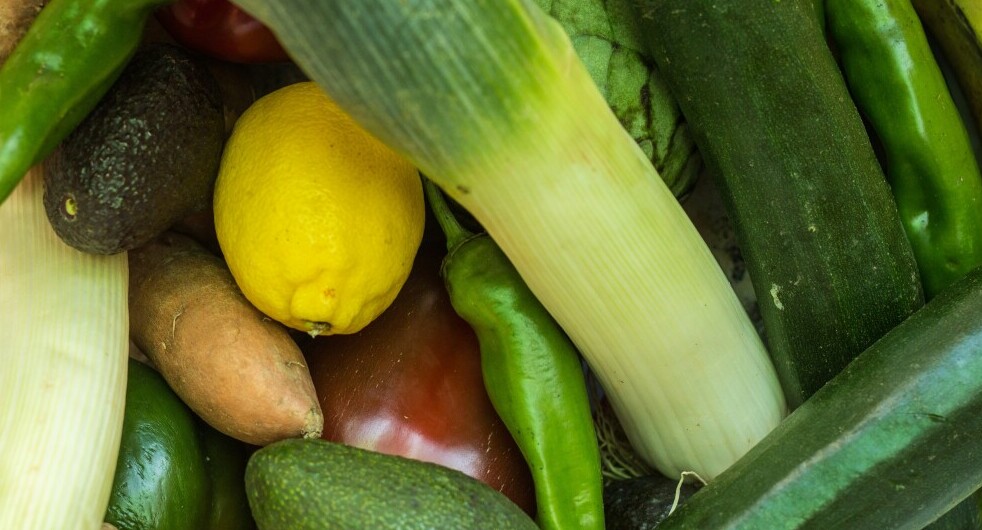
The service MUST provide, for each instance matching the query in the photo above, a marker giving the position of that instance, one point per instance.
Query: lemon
(318, 220)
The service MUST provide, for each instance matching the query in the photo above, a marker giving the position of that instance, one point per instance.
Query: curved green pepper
(65, 63)
(174, 471)
(532, 373)
(898, 85)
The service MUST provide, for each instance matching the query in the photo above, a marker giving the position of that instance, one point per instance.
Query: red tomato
(410, 384)
(222, 30)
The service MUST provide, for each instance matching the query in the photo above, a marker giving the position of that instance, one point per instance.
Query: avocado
(313, 484)
(145, 157)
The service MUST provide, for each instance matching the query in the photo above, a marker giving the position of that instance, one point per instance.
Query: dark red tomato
(222, 30)
(410, 384)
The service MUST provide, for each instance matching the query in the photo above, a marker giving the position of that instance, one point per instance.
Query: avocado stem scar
(70, 207)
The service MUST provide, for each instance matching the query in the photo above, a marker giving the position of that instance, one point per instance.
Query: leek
(607, 36)
(62, 382)
(489, 100)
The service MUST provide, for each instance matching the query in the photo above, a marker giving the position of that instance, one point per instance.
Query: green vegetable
(532, 374)
(815, 219)
(891, 442)
(896, 81)
(225, 464)
(160, 479)
(63, 375)
(897, 84)
(606, 36)
(956, 26)
(489, 100)
(69, 57)
(174, 472)
(144, 158)
(313, 484)
(964, 516)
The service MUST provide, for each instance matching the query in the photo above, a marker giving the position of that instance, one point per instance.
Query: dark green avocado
(145, 157)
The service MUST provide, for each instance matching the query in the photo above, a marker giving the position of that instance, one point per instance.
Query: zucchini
(891, 442)
(964, 516)
(815, 219)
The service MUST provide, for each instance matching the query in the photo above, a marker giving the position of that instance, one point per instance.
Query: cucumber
(816, 222)
(891, 442)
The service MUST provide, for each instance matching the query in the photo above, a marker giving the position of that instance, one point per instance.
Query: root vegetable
(237, 369)
(15, 17)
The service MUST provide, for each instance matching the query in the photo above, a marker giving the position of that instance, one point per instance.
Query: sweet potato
(15, 17)
(237, 369)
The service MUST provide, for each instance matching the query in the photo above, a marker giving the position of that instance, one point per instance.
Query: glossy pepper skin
(928, 160)
(65, 63)
(532, 373)
(174, 472)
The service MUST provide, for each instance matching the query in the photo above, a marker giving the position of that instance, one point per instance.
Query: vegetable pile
(558, 264)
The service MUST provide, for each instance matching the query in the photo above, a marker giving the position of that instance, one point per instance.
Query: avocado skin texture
(145, 157)
(314, 484)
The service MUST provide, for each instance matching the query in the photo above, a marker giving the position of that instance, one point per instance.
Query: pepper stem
(452, 229)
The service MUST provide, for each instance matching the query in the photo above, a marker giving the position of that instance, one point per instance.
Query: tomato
(410, 384)
(221, 29)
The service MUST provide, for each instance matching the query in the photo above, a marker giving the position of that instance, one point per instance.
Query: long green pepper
(532, 373)
(65, 63)
(896, 82)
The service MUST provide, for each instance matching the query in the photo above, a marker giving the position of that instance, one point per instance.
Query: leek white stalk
(490, 101)
(64, 340)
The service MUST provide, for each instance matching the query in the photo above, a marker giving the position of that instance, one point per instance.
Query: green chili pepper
(898, 85)
(65, 63)
(532, 373)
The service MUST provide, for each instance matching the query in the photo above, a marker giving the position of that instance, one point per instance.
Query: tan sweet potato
(15, 17)
(237, 369)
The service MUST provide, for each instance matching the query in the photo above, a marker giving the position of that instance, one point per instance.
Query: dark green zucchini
(964, 516)
(815, 219)
(894, 441)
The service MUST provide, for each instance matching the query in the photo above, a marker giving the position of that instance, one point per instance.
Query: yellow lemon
(318, 220)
